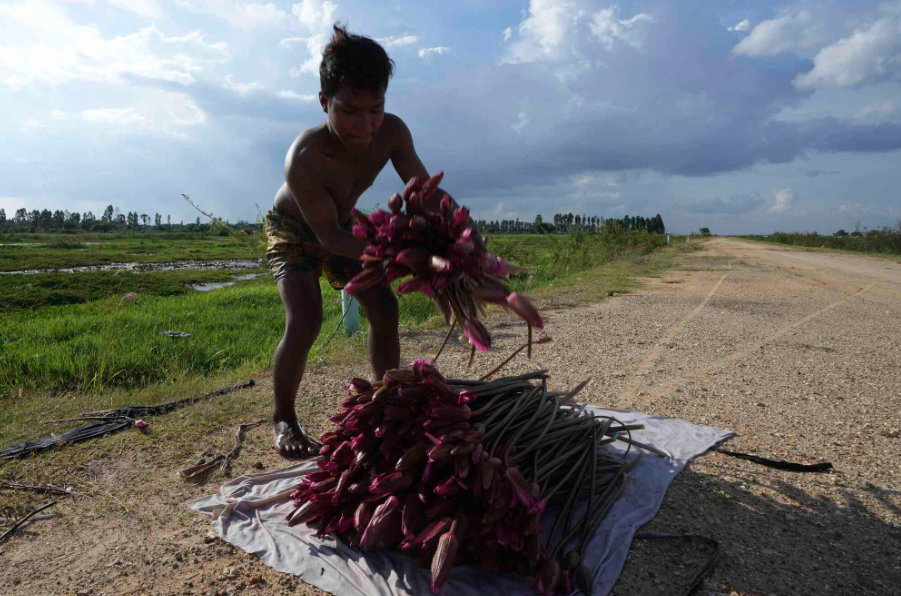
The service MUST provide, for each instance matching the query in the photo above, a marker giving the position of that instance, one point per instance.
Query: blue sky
(739, 116)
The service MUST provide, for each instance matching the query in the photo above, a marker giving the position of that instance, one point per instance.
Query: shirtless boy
(327, 168)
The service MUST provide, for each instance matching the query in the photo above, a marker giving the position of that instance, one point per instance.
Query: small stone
(790, 517)
(210, 538)
(258, 465)
(179, 558)
(115, 563)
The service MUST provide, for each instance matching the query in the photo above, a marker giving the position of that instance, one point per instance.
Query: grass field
(45, 251)
(884, 242)
(104, 352)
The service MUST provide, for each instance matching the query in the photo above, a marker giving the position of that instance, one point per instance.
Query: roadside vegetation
(886, 240)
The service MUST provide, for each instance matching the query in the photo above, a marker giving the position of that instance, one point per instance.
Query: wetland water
(141, 267)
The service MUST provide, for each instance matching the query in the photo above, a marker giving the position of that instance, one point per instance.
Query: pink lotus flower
(477, 333)
(141, 424)
(522, 492)
(524, 308)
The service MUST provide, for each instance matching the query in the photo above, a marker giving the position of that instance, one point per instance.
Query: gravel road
(797, 352)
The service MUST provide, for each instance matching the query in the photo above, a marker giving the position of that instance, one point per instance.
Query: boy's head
(356, 60)
(354, 77)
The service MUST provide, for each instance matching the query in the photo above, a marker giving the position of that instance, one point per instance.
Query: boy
(327, 168)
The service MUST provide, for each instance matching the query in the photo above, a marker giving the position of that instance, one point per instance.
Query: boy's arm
(318, 209)
(407, 164)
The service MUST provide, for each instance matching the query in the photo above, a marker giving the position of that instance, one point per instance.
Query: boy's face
(354, 116)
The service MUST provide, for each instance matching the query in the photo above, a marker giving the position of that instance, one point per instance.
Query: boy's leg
(380, 306)
(303, 319)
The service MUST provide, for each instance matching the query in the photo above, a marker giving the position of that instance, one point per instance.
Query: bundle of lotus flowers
(459, 471)
(445, 256)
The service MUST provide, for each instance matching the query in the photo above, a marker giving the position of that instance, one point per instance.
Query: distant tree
(168, 220)
(145, 218)
(157, 220)
(841, 233)
(107, 214)
(2, 217)
(21, 216)
(704, 231)
(120, 219)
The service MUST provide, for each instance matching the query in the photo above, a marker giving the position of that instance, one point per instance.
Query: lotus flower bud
(358, 385)
(425, 369)
(364, 222)
(390, 483)
(141, 424)
(365, 280)
(524, 308)
(380, 218)
(460, 221)
(477, 333)
(413, 185)
(395, 203)
(443, 561)
(431, 184)
(418, 223)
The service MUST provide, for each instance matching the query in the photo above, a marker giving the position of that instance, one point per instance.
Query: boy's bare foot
(292, 441)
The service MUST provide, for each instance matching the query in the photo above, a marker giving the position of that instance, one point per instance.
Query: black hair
(354, 59)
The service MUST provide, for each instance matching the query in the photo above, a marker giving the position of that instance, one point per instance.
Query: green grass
(65, 251)
(34, 291)
(105, 343)
(885, 242)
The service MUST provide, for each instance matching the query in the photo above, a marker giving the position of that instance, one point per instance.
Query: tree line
(567, 222)
(112, 219)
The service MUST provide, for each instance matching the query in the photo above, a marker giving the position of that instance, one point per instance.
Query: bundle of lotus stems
(460, 471)
(445, 256)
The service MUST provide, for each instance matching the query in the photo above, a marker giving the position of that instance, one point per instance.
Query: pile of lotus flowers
(445, 256)
(460, 471)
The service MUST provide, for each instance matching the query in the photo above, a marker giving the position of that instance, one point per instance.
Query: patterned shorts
(292, 246)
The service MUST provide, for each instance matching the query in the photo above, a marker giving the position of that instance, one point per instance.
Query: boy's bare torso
(345, 175)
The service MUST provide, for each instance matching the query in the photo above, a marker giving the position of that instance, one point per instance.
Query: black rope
(118, 420)
(778, 464)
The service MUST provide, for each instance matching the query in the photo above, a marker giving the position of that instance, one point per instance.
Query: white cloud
(545, 30)
(32, 123)
(59, 115)
(426, 53)
(508, 33)
(609, 28)
(44, 46)
(790, 32)
(160, 112)
(260, 14)
(289, 42)
(122, 117)
(523, 122)
(315, 14)
(286, 94)
(145, 8)
(743, 26)
(242, 89)
(784, 200)
(871, 54)
(880, 109)
(315, 46)
(393, 42)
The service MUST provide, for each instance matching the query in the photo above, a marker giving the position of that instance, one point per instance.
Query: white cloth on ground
(335, 567)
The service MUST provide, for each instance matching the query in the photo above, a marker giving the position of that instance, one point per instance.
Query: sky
(739, 116)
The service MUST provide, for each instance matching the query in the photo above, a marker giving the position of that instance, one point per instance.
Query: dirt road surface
(797, 352)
